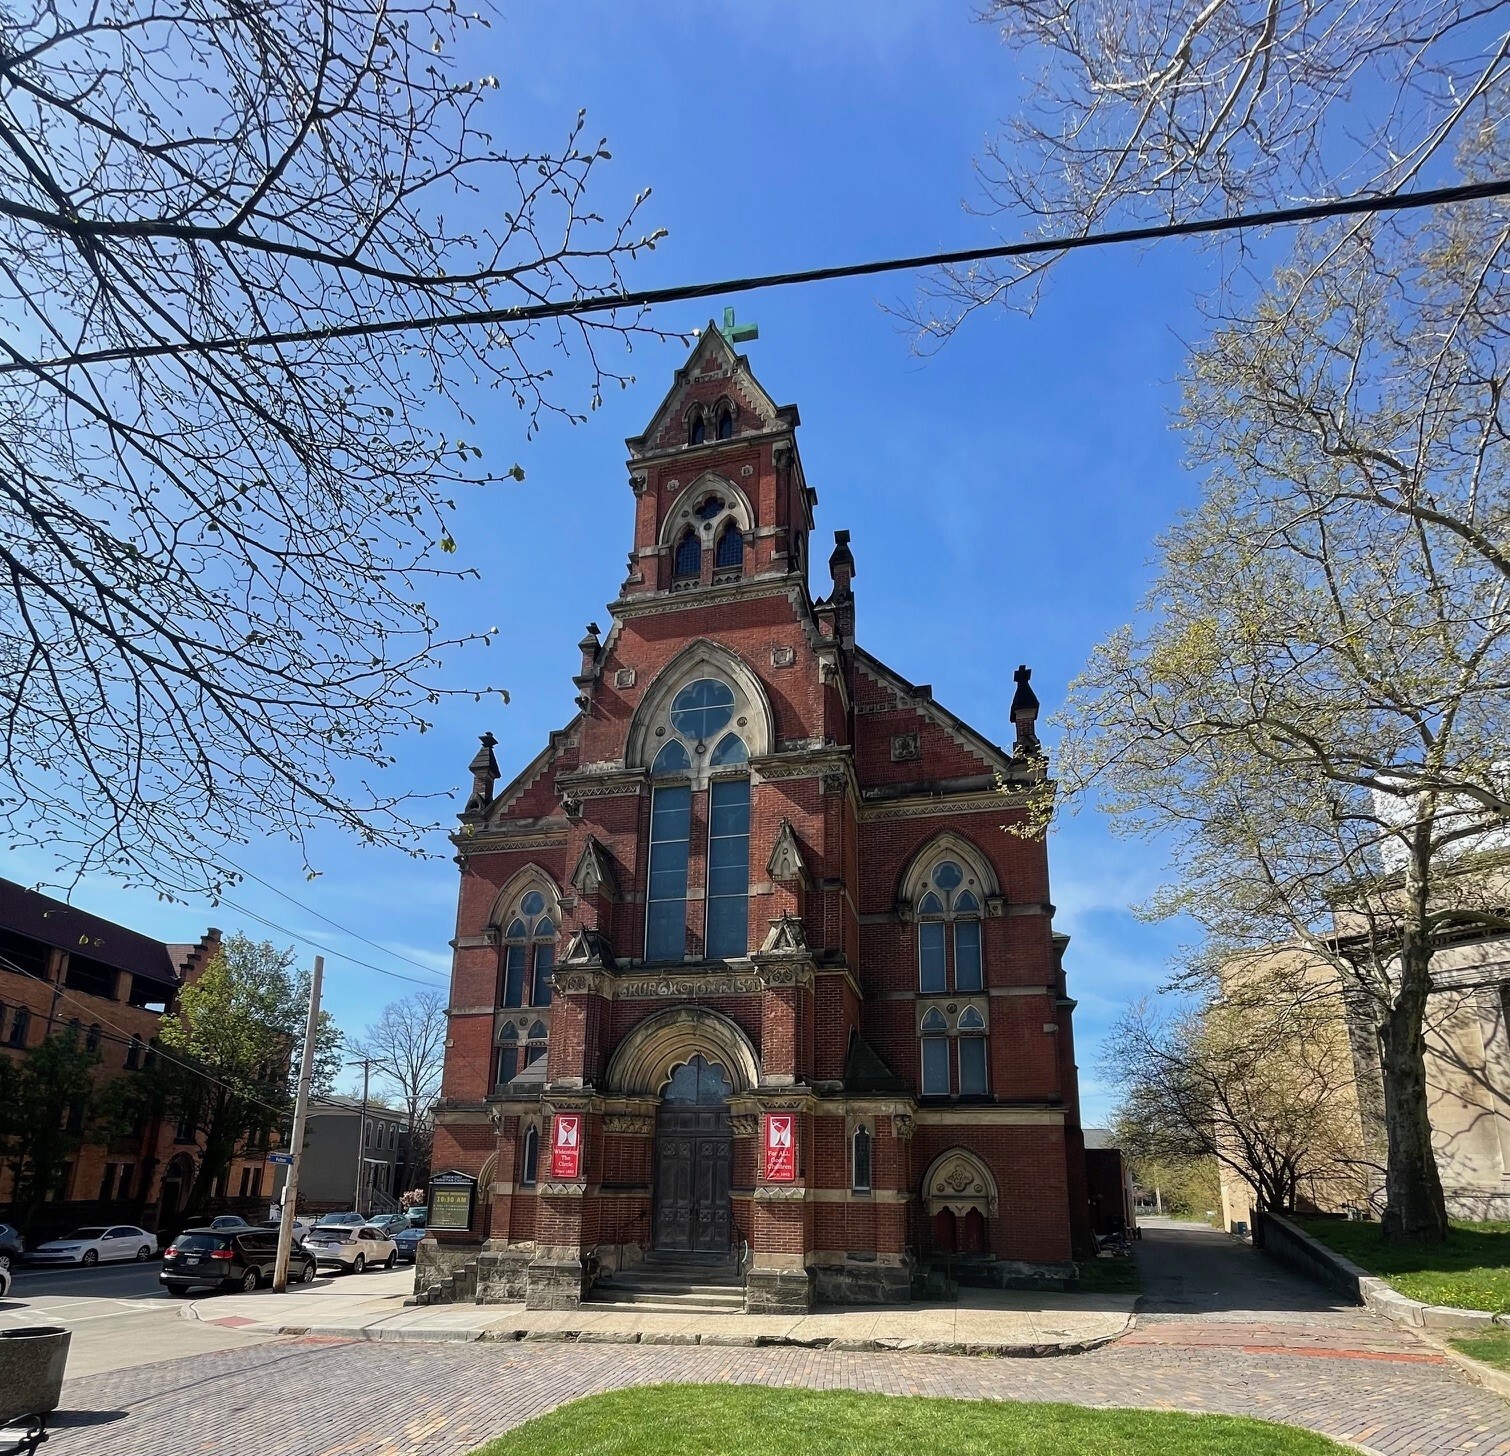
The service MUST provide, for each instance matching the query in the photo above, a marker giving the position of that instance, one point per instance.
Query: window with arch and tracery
(948, 919)
(697, 428)
(712, 519)
(529, 953)
(724, 422)
(952, 1052)
(700, 746)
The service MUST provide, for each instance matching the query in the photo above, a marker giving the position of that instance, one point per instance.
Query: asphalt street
(119, 1314)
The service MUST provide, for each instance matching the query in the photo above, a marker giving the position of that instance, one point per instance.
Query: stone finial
(786, 862)
(589, 948)
(1025, 710)
(484, 771)
(841, 566)
(590, 647)
(787, 934)
(594, 872)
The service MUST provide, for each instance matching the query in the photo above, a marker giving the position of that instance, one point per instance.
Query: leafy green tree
(1313, 707)
(233, 1044)
(49, 1106)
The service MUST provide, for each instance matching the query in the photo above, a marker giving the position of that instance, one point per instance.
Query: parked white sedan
(353, 1249)
(97, 1245)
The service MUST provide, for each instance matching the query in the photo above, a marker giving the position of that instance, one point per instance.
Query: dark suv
(229, 1259)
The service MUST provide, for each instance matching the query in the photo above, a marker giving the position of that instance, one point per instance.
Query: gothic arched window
(700, 713)
(948, 932)
(697, 428)
(529, 953)
(725, 426)
(731, 548)
(689, 555)
(859, 1160)
(529, 1162)
(508, 1056)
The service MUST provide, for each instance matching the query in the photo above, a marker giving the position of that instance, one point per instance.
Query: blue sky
(1004, 495)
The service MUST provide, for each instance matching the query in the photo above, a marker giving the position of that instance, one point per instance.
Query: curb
(1477, 1371)
(1370, 1290)
(894, 1346)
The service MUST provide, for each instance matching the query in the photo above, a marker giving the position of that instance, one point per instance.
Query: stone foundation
(556, 1284)
(1013, 1274)
(503, 1276)
(778, 1291)
(435, 1263)
(863, 1280)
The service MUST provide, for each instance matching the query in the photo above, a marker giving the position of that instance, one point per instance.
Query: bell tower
(720, 492)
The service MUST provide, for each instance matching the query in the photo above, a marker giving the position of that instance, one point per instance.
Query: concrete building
(747, 968)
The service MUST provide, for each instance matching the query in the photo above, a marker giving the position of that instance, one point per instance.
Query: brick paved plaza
(309, 1398)
(1226, 1331)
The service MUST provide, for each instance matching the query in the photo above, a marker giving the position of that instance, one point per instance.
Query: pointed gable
(712, 373)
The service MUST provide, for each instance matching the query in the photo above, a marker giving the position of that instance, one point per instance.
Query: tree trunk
(1415, 1209)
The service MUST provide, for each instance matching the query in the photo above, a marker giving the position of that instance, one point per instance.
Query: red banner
(780, 1147)
(566, 1146)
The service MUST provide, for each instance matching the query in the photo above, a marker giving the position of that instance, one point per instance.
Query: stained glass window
(670, 838)
(702, 708)
(731, 750)
(731, 547)
(672, 759)
(728, 868)
(860, 1161)
(972, 1066)
(689, 555)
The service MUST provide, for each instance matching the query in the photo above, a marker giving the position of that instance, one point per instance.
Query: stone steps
(673, 1285)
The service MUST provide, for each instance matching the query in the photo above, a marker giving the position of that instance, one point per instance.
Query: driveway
(1202, 1288)
(1226, 1331)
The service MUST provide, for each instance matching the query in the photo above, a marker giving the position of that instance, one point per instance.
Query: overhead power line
(652, 297)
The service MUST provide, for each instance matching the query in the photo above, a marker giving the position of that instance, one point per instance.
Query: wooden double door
(692, 1157)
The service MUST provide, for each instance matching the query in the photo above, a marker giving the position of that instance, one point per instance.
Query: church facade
(748, 972)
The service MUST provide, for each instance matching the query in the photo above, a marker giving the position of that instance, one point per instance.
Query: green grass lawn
(1471, 1270)
(1107, 1275)
(1492, 1348)
(750, 1420)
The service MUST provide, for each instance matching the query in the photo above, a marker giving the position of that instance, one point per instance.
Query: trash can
(32, 1360)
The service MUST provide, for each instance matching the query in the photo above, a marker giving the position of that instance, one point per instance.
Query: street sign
(285, 1158)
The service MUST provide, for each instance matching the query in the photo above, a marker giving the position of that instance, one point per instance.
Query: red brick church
(749, 977)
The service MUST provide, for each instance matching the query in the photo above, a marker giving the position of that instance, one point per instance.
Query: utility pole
(356, 1198)
(296, 1148)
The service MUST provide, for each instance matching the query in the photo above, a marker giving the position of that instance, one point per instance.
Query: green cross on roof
(738, 333)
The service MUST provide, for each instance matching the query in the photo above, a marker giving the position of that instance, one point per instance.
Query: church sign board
(452, 1197)
(780, 1147)
(566, 1146)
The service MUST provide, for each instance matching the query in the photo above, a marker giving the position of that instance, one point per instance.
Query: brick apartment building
(64, 970)
(746, 968)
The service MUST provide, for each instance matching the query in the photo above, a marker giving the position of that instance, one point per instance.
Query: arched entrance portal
(692, 1156)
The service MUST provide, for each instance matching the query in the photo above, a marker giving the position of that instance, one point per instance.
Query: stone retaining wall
(1293, 1246)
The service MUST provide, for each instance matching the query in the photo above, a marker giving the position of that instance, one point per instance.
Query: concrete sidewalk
(982, 1322)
